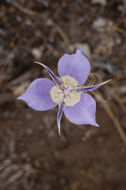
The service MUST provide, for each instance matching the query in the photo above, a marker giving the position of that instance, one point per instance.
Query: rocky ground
(32, 155)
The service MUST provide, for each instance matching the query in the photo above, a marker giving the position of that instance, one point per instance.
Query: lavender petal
(59, 115)
(84, 112)
(37, 96)
(53, 76)
(90, 88)
(75, 65)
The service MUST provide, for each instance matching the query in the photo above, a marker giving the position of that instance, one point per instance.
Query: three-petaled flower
(67, 91)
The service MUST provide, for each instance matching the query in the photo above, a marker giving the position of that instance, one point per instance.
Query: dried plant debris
(32, 155)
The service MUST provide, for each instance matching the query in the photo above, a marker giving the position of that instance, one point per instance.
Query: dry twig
(117, 98)
(113, 118)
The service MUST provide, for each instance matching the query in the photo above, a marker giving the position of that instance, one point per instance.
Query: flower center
(66, 92)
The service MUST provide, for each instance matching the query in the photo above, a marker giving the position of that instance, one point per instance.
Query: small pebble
(101, 2)
(37, 52)
(99, 23)
(29, 131)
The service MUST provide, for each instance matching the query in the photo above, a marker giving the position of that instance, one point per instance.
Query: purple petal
(53, 76)
(75, 65)
(84, 112)
(37, 96)
(60, 113)
(90, 88)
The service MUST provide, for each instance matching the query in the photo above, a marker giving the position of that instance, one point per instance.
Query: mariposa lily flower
(66, 91)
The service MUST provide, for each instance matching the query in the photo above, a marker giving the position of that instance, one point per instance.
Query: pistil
(66, 92)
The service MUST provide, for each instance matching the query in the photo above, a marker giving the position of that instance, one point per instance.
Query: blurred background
(32, 155)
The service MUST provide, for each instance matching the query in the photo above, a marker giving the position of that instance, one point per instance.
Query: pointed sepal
(59, 116)
(53, 76)
(90, 88)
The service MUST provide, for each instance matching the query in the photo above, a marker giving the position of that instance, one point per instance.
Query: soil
(32, 154)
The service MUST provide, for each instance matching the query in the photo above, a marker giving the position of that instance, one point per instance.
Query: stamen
(63, 92)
